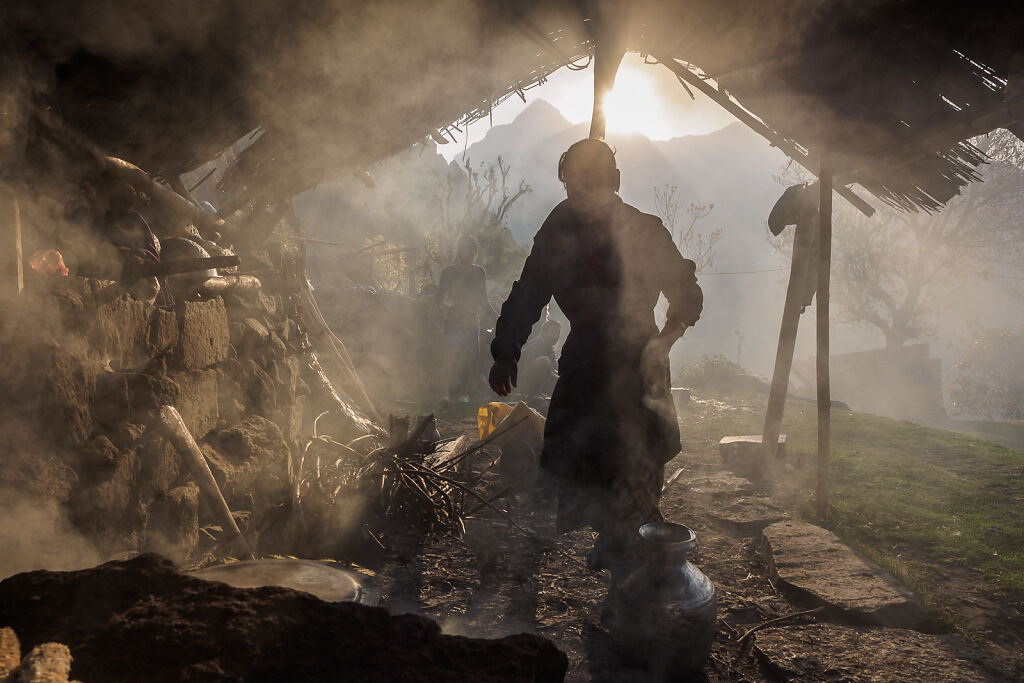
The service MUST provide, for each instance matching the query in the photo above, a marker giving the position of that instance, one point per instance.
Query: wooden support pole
(606, 65)
(783, 359)
(822, 492)
(607, 26)
(19, 256)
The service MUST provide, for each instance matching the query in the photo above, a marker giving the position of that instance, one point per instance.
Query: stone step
(827, 652)
(747, 516)
(743, 455)
(718, 485)
(813, 564)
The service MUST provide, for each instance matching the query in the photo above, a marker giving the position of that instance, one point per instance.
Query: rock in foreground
(142, 620)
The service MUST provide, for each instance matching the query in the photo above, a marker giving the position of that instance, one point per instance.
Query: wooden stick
(169, 199)
(222, 284)
(188, 449)
(486, 503)
(493, 499)
(480, 444)
(821, 496)
(759, 127)
(778, 619)
(344, 360)
(671, 480)
(19, 257)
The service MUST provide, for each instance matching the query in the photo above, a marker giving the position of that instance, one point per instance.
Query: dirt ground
(499, 580)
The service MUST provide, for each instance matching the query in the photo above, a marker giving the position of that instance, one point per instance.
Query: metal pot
(666, 609)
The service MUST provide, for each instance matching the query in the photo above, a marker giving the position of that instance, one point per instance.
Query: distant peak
(542, 114)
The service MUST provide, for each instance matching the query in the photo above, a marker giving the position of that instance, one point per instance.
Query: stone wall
(85, 368)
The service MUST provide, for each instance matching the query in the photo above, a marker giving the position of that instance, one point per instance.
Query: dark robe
(609, 430)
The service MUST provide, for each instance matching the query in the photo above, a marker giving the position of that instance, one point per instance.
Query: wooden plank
(822, 491)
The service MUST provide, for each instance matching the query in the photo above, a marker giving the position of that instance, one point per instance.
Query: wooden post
(19, 256)
(607, 26)
(822, 493)
(606, 65)
(783, 360)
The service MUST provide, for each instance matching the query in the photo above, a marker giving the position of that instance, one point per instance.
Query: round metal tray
(329, 581)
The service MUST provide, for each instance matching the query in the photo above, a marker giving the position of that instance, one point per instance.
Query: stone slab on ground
(718, 485)
(681, 396)
(814, 564)
(748, 515)
(827, 652)
(743, 455)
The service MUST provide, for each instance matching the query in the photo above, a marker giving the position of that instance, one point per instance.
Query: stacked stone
(87, 368)
(45, 663)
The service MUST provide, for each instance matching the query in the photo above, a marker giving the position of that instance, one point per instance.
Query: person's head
(551, 331)
(591, 178)
(467, 249)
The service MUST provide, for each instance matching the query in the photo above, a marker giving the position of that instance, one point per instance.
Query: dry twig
(778, 619)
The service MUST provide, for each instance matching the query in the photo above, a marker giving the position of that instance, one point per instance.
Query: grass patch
(912, 498)
(1009, 433)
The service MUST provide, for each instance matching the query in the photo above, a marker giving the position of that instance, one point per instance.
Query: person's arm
(678, 282)
(678, 276)
(523, 307)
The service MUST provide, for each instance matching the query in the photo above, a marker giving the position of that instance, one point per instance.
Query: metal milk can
(666, 609)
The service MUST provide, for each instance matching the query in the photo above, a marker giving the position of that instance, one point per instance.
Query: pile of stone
(87, 369)
(45, 663)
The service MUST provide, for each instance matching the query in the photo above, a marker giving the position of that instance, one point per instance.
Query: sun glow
(647, 99)
(637, 103)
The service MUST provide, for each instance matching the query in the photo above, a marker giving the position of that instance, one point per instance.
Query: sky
(647, 99)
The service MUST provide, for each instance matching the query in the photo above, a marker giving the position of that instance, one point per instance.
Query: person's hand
(504, 374)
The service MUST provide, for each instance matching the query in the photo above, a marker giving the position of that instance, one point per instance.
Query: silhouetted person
(611, 426)
(461, 294)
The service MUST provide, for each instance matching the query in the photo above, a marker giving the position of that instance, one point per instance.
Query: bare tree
(693, 244)
(895, 270)
(475, 199)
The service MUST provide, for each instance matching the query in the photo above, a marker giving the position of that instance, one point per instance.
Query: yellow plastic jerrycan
(489, 415)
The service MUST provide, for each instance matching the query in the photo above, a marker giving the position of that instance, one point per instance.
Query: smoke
(35, 533)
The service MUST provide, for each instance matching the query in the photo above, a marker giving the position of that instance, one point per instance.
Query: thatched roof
(891, 88)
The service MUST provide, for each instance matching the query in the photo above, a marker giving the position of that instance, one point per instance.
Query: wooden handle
(187, 447)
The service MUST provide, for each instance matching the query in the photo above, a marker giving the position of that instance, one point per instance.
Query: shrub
(718, 373)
